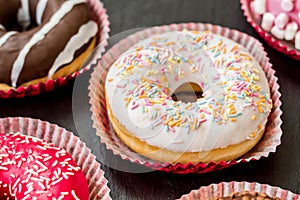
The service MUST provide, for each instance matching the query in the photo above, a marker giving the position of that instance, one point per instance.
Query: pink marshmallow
(287, 5)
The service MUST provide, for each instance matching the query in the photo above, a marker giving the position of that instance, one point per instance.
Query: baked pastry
(42, 40)
(31, 168)
(225, 122)
(248, 196)
(280, 18)
(239, 190)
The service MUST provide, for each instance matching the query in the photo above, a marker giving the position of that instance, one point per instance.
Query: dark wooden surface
(72, 112)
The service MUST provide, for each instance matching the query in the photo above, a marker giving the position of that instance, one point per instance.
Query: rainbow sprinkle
(237, 80)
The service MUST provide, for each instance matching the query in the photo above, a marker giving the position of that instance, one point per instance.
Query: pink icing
(274, 6)
(280, 18)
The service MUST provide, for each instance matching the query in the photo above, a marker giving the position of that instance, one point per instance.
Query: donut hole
(9, 17)
(188, 92)
(14, 25)
(18, 27)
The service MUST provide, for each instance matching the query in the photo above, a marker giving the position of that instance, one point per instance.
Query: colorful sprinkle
(232, 87)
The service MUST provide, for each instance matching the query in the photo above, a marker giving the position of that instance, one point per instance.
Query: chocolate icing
(8, 13)
(42, 55)
(248, 196)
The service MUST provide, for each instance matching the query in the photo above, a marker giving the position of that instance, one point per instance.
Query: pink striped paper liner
(267, 144)
(99, 14)
(279, 45)
(64, 139)
(223, 189)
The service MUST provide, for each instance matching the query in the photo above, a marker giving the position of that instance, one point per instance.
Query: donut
(43, 39)
(280, 18)
(31, 168)
(248, 195)
(226, 116)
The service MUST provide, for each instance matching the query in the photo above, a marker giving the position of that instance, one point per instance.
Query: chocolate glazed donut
(38, 37)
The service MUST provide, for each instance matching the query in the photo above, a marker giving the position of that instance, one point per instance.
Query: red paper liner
(279, 45)
(64, 139)
(266, 145)
(223, 189)
(100, 15)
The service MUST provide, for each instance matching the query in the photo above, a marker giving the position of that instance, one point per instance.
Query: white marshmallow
(277, 32)
(259, 6)
(290, 31)
(267, 21)
(287, 5)
(297, 40)
(281, 20)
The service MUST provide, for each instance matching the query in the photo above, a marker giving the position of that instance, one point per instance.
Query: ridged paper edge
(67, 140)
(223, 189)
(267, 144)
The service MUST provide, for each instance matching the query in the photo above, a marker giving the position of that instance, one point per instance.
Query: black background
(279, 169)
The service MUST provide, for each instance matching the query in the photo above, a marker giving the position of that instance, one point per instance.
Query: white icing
(6, 36)
(24, 14)
(2, 27)
(85, 33)
(40, 35)
(125, 72)
(40, 9)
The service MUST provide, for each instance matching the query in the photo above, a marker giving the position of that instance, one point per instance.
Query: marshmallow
(281, 20)
(277, 32)
(290, 31)
(297, 40)
(259, 6)
(287, 5)
(267, 21)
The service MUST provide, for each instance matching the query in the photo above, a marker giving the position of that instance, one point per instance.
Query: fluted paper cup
(64, 139)
(224, 189)
(100, 16)
(267, 144)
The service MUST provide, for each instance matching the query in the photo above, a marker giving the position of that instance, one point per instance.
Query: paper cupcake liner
(99, 14)
(279, 45)
(267, 144)
(64, 139)
(223, 189)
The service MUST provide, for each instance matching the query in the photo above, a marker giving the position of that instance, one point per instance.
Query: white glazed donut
(223, 124)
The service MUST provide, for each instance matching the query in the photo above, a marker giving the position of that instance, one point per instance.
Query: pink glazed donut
(280, 18)
(32, 169)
